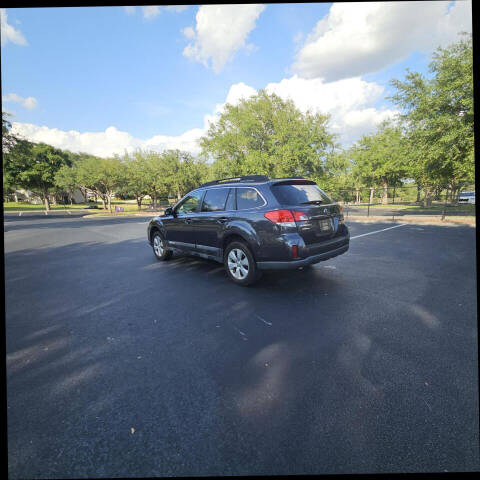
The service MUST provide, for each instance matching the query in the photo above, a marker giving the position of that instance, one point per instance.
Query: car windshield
(299, 193)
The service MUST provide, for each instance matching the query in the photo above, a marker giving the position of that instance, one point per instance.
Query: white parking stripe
(377, 231)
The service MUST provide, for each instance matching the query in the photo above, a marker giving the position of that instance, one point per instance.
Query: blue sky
(91, 68)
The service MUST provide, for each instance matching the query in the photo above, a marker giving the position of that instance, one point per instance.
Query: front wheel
(240, 264)
(159, 247)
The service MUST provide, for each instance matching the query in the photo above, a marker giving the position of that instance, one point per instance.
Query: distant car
(253, 223)
(466, 197)
(92, 206)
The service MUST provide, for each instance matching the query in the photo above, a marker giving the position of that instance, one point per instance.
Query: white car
(466, 197)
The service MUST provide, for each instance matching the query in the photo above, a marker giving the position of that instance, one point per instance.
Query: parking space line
(377, 231)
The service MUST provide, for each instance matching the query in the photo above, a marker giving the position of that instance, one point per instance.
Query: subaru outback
(252, 223)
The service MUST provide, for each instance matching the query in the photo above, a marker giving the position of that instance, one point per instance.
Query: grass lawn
(128, 206)
(439, 208)
(27, 207)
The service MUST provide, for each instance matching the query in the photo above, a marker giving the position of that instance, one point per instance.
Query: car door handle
(222, 219)
(188, 220)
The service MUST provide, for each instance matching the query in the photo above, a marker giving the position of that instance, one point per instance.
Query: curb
(113, 215)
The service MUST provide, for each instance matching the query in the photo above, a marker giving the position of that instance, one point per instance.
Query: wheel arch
(155, 227)
(236, 235)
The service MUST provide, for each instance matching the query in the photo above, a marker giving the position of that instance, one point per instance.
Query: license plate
(325, 225)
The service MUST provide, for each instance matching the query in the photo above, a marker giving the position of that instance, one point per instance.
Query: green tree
(8, 139)
(9, 142)
(267, 135)
(438, 117)
(380, 159)
(158, 175)
(182, 172)
(102, 176)
(137, 182)
(34, 166)
(338, 180)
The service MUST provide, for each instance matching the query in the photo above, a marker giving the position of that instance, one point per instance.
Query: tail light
(282, 217)
(286, 218)
(299, 216)
(295, 251)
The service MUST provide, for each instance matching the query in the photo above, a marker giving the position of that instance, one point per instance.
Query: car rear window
(296, 193)
(215, 200)
(248, 198)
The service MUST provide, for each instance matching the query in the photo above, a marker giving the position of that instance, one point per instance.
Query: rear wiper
(318, 202)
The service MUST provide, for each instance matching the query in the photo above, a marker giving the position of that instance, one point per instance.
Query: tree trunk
(102, 198)
(394, 188)
(455, 194)
(109, 200)
(15, 196)
(46, 201)
(139, 202)
(385, 193)
(179, 196)
(427, 201)
(154, 198)
(371, 195)
(54, 201)
(418, 193)
(357, 196)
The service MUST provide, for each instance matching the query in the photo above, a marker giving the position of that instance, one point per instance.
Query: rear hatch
(321, 215)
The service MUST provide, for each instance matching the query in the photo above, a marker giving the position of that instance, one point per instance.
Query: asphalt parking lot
(119, 365)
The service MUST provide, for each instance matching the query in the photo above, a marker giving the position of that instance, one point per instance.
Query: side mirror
(168, 211)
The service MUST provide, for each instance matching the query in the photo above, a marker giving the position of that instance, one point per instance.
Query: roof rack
(241, 179)
(289, 178)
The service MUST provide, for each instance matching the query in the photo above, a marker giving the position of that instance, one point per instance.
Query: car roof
(252, 183)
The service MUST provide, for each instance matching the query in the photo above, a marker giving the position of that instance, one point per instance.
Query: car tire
(240, 264)
(159, 248)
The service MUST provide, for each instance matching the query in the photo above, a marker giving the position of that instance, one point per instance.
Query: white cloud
(221, 30)
(186, 141)
(151, 11)
(189, 32)
(176, 8)
(354, 39)
(106, 143)
(237, 92)
(29, 102)
(350, 103)
(9, 33)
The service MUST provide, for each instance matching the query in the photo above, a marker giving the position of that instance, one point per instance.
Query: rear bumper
(292, 264)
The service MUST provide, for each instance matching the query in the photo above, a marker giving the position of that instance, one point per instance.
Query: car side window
(230, 205)
(248, 198)
(214, 200)
(190, 203)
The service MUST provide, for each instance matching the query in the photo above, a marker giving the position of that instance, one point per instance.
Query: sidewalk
(424, 219)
